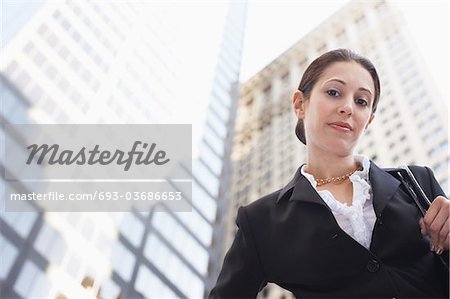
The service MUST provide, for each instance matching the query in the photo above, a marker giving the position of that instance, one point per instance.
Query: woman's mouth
(341, 126)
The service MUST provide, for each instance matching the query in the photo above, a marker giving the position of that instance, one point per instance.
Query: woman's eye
(333, 93)
(361, 101)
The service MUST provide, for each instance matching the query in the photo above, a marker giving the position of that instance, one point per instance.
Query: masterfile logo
(98, 167)
(91, 157)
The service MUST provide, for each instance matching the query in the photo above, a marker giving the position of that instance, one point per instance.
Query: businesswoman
(342, 227)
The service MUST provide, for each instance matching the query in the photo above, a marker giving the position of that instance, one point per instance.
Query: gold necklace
(321, 182)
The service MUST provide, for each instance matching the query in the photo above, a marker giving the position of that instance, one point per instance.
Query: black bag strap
(406, 177)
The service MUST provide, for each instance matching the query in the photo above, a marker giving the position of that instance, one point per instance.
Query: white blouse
(357, 220)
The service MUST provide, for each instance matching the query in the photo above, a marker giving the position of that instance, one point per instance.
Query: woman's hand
(436, 224)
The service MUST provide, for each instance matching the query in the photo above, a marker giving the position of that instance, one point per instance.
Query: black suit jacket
(291, 238)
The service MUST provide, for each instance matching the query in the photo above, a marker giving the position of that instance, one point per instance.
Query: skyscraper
(99, 62)
(410, 125)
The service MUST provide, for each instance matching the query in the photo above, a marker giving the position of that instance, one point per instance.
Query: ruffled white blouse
(357, 220)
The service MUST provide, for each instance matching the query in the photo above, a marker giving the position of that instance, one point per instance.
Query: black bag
(406, 177)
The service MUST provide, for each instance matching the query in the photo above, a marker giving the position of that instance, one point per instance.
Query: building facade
(410, 126)
(123, 63)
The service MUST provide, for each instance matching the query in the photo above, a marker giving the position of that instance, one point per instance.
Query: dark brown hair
(318, 66)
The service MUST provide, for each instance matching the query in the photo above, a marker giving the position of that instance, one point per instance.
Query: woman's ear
(298, 100)
(370, 121)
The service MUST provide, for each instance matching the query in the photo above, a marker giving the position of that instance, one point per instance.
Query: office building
(410, 125)
(123, 63)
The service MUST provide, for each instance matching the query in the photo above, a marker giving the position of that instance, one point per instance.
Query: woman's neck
(328, 165)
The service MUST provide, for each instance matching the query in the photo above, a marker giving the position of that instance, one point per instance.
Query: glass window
(73, 265)
(31, 282)
(51, 72)
(40, 286)
(63, 84)
(87, 76)
(88, 228)
(64, 52)
(173, 268)
(132, 229)
(8, 256)
(213, 140)
(218, 126)
(222, 79)
(52, 40)
(220, 110)
(232, 52)
(150, 286)
(182, 240)
(50, 244)
(66, 24)
(36, 93)
(75, 64)
(228, 67)
(43, 29)
(103, 242)
(204, 202)
(206, 177)
(28, 47)
(22, 80)
(212, 160)
(12, 67)
(39, 58)
(197, 224)
(122, 260)
(21, 222)
(109, 289)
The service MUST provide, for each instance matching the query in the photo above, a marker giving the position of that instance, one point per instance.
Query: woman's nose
(346, 107)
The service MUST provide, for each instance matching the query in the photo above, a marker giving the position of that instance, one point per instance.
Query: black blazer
(291, 238)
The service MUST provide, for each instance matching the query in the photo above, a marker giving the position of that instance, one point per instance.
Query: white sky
(272, 27)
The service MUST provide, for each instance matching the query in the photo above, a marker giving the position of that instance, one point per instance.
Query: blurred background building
(410, 127)
(122, 63)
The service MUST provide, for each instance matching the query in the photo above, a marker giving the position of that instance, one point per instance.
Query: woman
(342, 227)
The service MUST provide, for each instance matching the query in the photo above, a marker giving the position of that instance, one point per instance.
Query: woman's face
(339, 108)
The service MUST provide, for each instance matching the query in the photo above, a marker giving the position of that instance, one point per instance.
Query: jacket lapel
(300, 189)
(384, 186)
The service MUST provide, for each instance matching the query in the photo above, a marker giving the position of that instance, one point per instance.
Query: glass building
(126, 63)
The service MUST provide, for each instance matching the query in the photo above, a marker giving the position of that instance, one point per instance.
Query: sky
(272, 27)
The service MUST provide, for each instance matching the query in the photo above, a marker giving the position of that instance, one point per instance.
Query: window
(22, 80)
(32, 283)
(285, 77)
(206, 177)
(122, 261)
(321, 48)
(8, 254)
(51, 72)
(341, 36)
(148, 284)
(212, 159)
(303, 62)
(132, 229)
(196, 223)
(267, 93)
(173, 268)
(109, 289)
(182, 240)
(20, 222)
(50, 244)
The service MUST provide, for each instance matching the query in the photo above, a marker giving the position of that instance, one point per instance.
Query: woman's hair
(318, 66)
